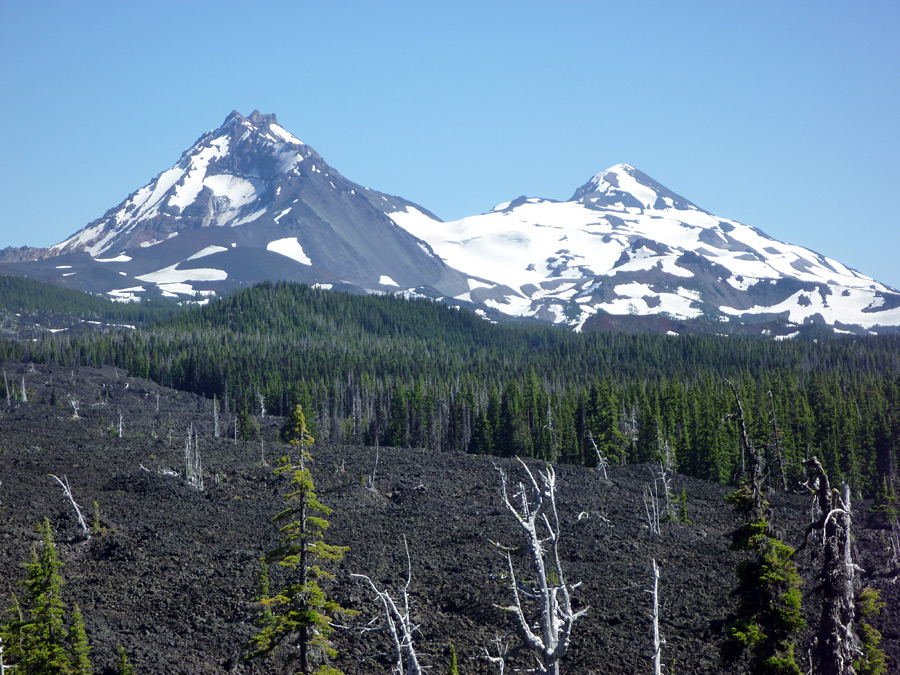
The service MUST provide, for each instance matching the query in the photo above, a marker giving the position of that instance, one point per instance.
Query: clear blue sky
(783, 115)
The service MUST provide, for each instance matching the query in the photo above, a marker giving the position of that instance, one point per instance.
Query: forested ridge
(19, 294)
(416, 373)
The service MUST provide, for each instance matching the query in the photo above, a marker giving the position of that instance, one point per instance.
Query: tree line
(400, 372)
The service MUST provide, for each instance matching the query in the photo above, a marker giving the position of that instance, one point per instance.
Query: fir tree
(294, 430)
(300, 612)
(123, 665)
(79, 642)
(768, 613)
(39, 633)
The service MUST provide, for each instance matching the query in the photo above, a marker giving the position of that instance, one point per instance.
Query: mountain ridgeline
(415, 373)
(250, 202)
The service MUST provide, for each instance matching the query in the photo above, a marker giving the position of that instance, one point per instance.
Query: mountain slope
(247, 202)
(626, 245)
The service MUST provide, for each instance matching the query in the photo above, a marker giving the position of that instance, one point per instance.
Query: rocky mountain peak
(628, 187)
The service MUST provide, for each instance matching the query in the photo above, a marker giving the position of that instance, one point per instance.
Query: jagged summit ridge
(258, 202)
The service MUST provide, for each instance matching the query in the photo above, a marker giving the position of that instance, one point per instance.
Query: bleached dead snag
(651, 507)
(658, 642)
(666, 469)
(74, 403)
(502, 651)
(601, 460)
(193, 467)
(3, 668)
(24, 391)
(64, 483)
(398, 622)
(837, 643)
(370, 479)
(538, 518)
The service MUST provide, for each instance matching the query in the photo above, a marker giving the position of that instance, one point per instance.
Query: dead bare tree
(502, 648)
(370, 479)
(64, 483)
(262, 404)
(658, 642)
(74, 403)
(24, 391)
(6, 382)
(193, 467)
(650, 497)
(3, 668)
(666, 468)
(542, 531)
(601, 460)
(399, 623)
(837, 643)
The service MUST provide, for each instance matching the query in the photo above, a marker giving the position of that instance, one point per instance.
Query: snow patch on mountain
(209, 250)
(172, 275)
(290, 248)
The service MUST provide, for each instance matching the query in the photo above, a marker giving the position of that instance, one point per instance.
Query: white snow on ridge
(248, 219)
(385, 280)
(171, 275)
(118, 258)
(843, 305)
(289, 247)
(209, 250)
(187, 190)
(285, 135)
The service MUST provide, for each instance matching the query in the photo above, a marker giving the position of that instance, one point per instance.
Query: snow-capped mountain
(624, 245)
(251, 202)
(248, 202)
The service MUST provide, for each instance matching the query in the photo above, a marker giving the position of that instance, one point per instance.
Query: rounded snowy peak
(625, 186)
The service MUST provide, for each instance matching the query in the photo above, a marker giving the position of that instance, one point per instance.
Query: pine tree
(123, 665)
(300, 612)
(294, 429)
(38, 632)
(768, 612)
(79, 642)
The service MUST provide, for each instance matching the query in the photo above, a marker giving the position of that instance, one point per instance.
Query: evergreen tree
(300, 612)
(38, 634)
(768, 593)
(123, 665)
(294, 429)
(80, 647)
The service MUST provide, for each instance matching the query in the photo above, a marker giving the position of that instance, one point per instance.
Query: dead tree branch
(542, 530)
(399, 623)
(64, 483)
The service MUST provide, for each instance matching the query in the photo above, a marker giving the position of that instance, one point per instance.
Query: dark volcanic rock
(172, 576)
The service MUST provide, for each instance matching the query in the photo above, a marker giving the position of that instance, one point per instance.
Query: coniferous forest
(414, 373)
